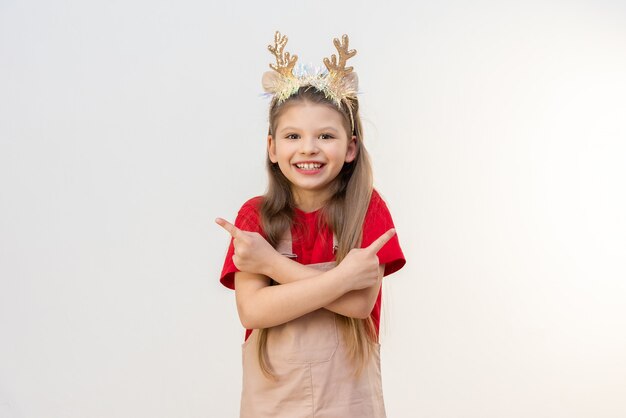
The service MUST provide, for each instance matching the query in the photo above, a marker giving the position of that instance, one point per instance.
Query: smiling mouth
(309, 166)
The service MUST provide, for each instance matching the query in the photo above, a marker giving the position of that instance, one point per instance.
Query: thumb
(382, 240)
(230, 228)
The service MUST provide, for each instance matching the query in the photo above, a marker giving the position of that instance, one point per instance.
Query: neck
(310, 201)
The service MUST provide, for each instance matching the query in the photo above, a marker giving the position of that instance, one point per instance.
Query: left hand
(363, 265)
(253, 254)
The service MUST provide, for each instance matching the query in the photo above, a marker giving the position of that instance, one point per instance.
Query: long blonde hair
(343, 213)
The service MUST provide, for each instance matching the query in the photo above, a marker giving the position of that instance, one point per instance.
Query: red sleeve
(248, 219)
(377, 222)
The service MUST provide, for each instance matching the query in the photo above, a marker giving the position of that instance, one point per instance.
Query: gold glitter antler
(339, 69)
(284, 61)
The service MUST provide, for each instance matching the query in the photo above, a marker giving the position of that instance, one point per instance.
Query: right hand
(362, 264)
(253, 254)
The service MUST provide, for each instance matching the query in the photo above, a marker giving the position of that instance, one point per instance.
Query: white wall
(498, 137)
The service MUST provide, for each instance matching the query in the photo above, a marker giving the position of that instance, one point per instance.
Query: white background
(498, 135)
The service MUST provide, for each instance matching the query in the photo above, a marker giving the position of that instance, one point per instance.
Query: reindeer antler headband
(339, 83)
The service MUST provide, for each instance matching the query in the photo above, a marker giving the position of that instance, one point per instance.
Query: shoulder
(377, 205)
(251, 205)
(376, 198)
(377, 220)
(249, 215)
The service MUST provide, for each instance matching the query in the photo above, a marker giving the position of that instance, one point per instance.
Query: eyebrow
(292, 128)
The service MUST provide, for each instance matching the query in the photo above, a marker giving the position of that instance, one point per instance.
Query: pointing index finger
(382, 240)
(230, 228)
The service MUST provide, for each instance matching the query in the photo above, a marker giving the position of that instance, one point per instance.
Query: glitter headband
(339, 83)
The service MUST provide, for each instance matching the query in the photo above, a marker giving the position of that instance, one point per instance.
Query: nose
(308, 145)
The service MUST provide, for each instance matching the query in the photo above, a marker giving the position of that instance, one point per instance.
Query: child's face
(310, 146)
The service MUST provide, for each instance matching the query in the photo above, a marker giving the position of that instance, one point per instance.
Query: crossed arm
(350, 288)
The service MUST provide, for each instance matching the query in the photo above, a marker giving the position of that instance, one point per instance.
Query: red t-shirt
(313, 245)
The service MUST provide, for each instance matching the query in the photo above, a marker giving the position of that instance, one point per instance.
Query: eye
(292, 136)
(326, 136)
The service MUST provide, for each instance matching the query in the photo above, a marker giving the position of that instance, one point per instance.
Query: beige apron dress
(314, 377)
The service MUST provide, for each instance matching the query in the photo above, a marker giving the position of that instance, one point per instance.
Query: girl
(306, 260)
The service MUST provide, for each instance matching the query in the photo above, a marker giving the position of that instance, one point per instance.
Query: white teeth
(309, 166)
